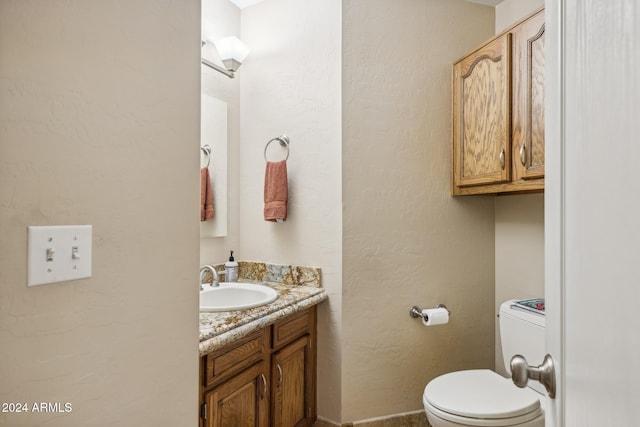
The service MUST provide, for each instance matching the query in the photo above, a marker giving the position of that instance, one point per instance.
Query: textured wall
(406, 240)
(519, 219)
(98, 101)
(291, 84)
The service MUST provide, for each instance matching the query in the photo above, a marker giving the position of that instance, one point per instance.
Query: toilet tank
(522, 332)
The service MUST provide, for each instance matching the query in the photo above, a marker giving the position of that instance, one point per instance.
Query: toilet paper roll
(435, 316)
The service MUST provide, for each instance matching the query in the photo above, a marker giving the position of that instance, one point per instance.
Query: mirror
(213, 132)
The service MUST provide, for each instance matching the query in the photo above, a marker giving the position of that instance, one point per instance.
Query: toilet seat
(480, 398)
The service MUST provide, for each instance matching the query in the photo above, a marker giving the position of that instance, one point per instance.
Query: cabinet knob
(502, 165)
(523, 155)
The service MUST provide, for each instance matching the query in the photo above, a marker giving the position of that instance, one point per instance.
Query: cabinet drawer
(291, 328)
(229, 361)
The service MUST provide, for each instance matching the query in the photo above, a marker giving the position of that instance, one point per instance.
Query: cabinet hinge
(203, 411)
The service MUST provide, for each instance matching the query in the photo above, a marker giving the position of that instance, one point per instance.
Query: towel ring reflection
(284, 142)
(206, 149)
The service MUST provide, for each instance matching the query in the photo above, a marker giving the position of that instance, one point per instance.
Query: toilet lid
(481, 394)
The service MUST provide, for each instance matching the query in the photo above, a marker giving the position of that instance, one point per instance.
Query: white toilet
(482, 397)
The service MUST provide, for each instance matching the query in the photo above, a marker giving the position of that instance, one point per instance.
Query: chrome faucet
(214, 275)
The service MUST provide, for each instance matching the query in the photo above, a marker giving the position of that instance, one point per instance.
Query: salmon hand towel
(206, 196)
(275, 191)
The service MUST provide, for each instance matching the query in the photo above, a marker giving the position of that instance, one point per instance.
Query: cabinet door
(242, 401)
(528, 99)
(482, 115)
(292, 374)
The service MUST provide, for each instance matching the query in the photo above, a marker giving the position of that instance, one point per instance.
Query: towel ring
(284, 142)
(206, 149)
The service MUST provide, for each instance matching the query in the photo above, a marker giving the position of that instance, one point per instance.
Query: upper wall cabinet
(482, 115)
(528, 99)
(498, 113)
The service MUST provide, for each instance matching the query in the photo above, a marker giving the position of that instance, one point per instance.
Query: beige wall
(291, 84)
(406, 241)
(98, 100)
(519, 222)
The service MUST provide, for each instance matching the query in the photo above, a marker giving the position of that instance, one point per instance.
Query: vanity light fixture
(232, 52)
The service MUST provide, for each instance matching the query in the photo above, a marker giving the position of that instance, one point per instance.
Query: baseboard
(407, 419)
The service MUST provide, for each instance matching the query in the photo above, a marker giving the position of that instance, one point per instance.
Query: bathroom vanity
(258, 366)
(269, 375)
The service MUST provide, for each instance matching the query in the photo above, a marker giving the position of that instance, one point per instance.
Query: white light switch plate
(58, 253)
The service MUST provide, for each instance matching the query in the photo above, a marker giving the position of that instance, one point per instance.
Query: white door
(592, 211)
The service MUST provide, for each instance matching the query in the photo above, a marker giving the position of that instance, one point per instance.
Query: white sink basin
(235, 296)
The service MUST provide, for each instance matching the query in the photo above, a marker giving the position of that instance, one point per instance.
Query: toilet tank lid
(512, 308)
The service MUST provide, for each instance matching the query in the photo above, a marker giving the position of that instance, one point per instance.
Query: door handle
(522, 372)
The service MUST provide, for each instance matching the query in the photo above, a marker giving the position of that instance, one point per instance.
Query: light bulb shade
(232, 52)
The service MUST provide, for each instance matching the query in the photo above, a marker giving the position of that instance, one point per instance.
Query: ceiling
(246, 3)
(486, 2)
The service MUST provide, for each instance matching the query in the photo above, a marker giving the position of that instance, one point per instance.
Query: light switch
(58, 253)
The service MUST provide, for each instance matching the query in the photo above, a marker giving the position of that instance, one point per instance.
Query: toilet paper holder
(416, 312)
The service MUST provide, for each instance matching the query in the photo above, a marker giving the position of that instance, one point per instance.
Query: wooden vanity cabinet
(265, 379)
(498, 113)
(234, 387)
(242, 401)
(293, 371)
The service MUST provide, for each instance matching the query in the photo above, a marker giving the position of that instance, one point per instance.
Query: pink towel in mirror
(206, 196)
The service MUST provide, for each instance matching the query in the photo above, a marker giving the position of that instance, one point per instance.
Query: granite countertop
(218, 329)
